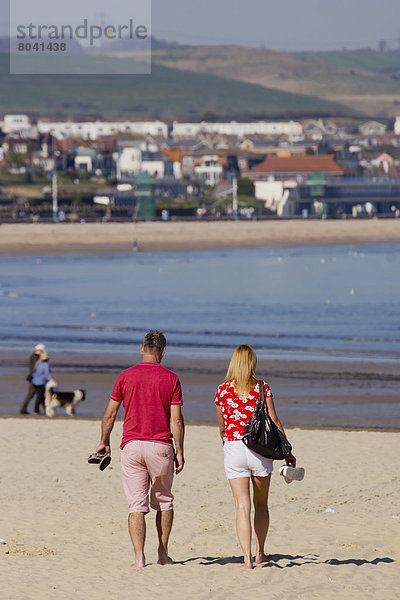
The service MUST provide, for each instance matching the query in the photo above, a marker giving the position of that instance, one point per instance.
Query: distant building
(396, 127)
(137, 157)
(92, 130)
(372, 128)
(233, 128)
(20, 124)
(295, 167)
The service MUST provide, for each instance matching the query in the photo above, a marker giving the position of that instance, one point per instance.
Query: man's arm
(178, 433)
(107, 425)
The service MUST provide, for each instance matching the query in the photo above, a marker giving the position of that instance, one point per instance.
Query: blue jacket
(41, 373)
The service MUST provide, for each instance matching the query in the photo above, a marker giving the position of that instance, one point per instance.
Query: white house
(136, 157)
(183, 130)
(94, 129)
(16, 124)
(372, 128)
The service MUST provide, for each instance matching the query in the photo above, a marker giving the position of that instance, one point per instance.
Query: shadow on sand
(292, 561)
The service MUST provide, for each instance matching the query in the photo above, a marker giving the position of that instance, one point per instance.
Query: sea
(311, 302)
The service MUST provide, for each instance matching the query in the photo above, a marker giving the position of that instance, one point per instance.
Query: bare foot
(139, 563)
(164, 559)
(247, 565)
(262, 558)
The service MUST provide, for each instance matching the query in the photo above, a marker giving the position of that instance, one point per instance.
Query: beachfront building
(138, 157)
(233, 128)
(205, 165)
(92, 130)
(295, 167)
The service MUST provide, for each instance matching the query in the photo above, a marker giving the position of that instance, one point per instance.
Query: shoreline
(25, 239)
(189, 423)
(307, 393)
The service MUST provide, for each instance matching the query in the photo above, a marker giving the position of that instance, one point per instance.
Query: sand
(334, 535)
(61, 238)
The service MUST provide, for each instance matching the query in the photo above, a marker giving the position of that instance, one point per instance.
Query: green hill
(386, 63)
(167, 93)
(364, 80)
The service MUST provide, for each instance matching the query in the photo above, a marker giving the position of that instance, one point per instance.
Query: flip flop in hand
(100, 458)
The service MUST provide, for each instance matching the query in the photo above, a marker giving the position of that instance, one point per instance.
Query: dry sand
(49, 238)
(65, 522)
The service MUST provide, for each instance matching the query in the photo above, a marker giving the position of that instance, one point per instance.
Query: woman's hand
(290, 460)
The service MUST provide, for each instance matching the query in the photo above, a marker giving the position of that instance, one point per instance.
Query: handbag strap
(261, 397)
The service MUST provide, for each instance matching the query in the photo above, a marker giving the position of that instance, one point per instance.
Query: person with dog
(153, 421)
(38, 350)
(40, 376)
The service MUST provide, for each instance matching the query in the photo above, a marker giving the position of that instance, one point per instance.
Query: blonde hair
(241, 370)
(44, 356)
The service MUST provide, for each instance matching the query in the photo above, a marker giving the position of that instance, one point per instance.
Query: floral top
(237, 410)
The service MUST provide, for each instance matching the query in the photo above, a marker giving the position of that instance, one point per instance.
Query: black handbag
(262, 435)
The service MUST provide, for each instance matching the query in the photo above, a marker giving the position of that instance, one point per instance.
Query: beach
(333, 535)
(62, 238)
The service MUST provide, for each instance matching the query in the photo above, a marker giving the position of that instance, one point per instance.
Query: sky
(291, 25)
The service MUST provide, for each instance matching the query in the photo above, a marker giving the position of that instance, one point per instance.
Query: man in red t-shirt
(152, 400)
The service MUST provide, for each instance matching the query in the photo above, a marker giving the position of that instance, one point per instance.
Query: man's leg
(136, 484)
(160, 464)
(137, 531)
(164, 520)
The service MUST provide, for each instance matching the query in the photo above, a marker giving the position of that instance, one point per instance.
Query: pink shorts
(147, 467)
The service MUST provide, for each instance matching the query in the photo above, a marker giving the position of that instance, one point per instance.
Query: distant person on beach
(40, 376)
(152, 399)
(236, 400)
(38, 350)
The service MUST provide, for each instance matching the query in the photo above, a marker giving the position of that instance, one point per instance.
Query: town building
(92, 130)
(233, 128)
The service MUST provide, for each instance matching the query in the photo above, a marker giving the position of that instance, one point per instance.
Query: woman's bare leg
(241, 494)
(261, 515)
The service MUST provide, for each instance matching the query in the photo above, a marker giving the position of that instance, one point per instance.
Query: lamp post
(234, 198)
(55, 196)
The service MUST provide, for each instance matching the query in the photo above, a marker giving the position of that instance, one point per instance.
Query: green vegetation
(368, 60)
(167, 93)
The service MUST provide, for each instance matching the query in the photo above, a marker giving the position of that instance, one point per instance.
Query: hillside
(364, 80)
(169, 93)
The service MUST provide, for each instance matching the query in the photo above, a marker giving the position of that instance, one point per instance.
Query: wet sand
(62, 238)
(335, 535)
(307, 393)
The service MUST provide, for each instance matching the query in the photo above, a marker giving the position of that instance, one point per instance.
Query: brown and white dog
(54, 399)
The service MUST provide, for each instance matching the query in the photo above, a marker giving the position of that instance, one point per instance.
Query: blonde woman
(236, 400)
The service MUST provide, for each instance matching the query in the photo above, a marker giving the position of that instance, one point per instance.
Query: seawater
(313, 301)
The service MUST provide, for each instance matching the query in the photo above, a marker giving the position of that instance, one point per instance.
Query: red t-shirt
(237, 410)
(147, 392)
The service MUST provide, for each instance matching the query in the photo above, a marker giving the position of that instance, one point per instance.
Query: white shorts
(239, 461)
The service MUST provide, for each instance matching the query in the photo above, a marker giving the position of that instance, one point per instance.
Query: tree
(382, 45)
